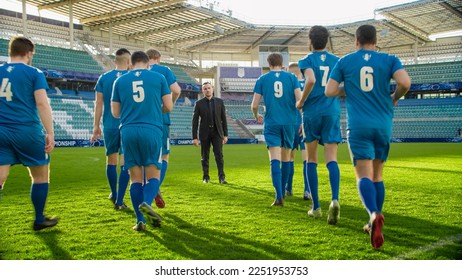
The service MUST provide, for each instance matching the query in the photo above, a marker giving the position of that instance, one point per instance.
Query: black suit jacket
(201, 110)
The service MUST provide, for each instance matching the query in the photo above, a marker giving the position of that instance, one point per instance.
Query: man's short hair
(20, 46)
(366, 34)
(153, 54)
(139, 56)
(121, 55)
(294, 64)
(319, 35)
(275, 59)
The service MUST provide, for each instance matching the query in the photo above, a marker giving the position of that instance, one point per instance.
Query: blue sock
(124, 177)
(163, 171)
(290, 179)
(285, 170)
(368, 195)
(150, 190)
(334, 177)
(111, 174)
(311, 170)
(380, 190)
(38, 194)
(305, 178)
(136, 194)
(276, 177)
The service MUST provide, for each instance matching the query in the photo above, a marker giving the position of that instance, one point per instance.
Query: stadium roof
(177, 24)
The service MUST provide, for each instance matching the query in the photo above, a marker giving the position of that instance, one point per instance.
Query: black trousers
(215, 140)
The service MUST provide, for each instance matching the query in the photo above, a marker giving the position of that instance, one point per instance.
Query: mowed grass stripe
(235, 221)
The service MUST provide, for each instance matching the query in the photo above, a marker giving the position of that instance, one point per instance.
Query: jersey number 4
(138, 91)
(5, 89)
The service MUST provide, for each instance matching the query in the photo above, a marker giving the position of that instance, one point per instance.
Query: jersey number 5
(367, 79)
(138, 91)
(5, 89)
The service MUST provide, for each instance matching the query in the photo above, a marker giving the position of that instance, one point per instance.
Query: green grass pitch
(423, 212)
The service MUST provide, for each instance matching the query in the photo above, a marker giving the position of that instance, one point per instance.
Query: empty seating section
(435, 72)
(72, 118)
(237, 84)
(181, 75)
(430, 53)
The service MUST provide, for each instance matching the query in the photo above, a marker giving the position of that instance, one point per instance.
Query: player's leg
(136, 193)
(312, 173)
(124, 178)
(165, 151)
(378, 183)
(306, 188)
(39, 194)
(4, 171)
(111, 174)
(275, 167)
(289, 185)
(330, 151)
(205, 154)
(288, 134)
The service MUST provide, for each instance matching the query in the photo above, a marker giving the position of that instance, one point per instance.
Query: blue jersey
(317, 103)
(104, 85)
(366, 76)
(18, 82)
(140, 95)
(171, 79)
(277, 88)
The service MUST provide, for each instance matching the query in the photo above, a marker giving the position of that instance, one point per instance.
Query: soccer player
(280, 91)
(321, 120)
(139, 98)
(298, 142)
(24, 109)
(111, 129)
(154, 60)
(366, 74)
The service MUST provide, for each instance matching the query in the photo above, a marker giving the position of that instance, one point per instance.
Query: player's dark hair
(153, 54)
(275, 59)
(20, 46)
(139, 56)
(319, 35)
(366, 34)
(122, 51)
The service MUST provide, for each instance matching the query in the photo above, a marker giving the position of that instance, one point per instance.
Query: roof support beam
(261, 39)
(405, 33)
(58, 4)
(135, 19)
(451, 9)
(128, 11)
(198, 37)
(293, 37)
(173, 27)
(419, 32)
(205, 45)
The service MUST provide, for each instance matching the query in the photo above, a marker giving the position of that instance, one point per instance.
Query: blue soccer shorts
(298, 140)
(166, 140)
(279, 136)
(23, 145)
(112, 141)
(142, 146)
(325, 129)
(369, 144)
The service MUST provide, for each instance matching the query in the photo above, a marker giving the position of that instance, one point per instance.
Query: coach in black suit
(213, 129)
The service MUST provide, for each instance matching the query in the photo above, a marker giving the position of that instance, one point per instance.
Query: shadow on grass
(201, 243)
(50, 239)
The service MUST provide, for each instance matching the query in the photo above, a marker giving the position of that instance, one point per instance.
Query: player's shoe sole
(48, 222)
(307, 196)
(315, 213)
(333, 215)
(151, 217)
(121, 207)
(376, 231)
(160, 203)
(278, 203)
(140, 226)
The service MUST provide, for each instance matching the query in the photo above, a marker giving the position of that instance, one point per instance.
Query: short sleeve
(170, 77)
(40, 81)
(115, 92)
(99, 84)
(337, 73)
(258, 87)
(165, 89)
(396, 64)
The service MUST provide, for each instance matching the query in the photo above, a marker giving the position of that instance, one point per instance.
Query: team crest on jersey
(9, 69)
(138, 73)
(118, 74)
(278, 74)
(367, 57)
(323, 57)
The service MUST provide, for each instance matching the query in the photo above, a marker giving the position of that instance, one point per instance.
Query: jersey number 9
(278, 91)
(138, 91)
